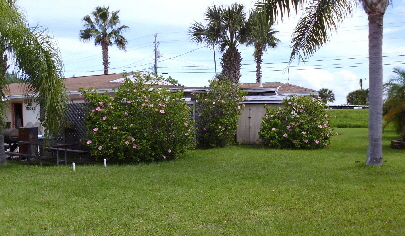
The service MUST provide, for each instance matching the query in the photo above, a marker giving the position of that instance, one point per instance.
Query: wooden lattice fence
(75, 130)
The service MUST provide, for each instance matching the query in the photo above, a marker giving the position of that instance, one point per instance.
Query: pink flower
(95, 130)
(101, 104)
(320, 126)
(126, 142)
(134, 146)
(133, 139)
(185, 124)
(98, 109)
(186, 134)
(164, 157)
(81, 95)
(213, 102)
(303, 132)
(151, 105)
(162, 111)
(285, 135)
(273, 129)
(114, 127)
(289, 103)
(169, 151)
(316, 141)
(238, 107)
(129, 101)
(100, 147)
(271, 116)
(104, 117)
(288, 126)
(306, 141)
(89, 142)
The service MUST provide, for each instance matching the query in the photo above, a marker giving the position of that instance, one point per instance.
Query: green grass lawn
(349, 118)
(238, 190)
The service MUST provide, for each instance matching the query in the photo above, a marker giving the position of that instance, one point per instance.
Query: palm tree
(312, 31)
(103, 27)
(233, 20)
(225, 29)
(394, 106)
(39, 64)
(209, 34)
(261, 35)
(326, 95)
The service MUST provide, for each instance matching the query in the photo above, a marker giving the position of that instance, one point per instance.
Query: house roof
(283, 88)
(103, 82)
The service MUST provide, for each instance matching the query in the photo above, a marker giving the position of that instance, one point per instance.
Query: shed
(259, 97)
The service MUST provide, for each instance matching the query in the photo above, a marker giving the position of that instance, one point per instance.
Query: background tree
(224, 28)
(312, 31)
(39, 65)
(209, 34)
(326, 95)
(358, 97)
(260, 34)
(394, 106)
(104, 27)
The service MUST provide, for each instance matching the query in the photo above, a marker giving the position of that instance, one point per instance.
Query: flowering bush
(302, 123)
(145, 121)
(218, 111)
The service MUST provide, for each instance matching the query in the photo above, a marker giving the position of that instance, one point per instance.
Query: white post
(74, 166)
(105, 162)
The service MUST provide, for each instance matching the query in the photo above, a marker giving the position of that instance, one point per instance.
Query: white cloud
(341, 82)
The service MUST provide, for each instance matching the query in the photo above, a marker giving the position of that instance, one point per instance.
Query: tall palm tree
(104, 27)
(260, 34)
(210, 33)
(39, 64)
(224, 28)
(326, 95)
(312, 31)
(233, 20)
(394, 106)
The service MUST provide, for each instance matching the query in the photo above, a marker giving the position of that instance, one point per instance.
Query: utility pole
(156, 55)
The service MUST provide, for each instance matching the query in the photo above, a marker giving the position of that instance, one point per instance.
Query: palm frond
(313, 30)
(279, 8)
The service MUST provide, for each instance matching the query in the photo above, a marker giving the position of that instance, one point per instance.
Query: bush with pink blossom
(218, 110)
(301, 123)
(145, 121)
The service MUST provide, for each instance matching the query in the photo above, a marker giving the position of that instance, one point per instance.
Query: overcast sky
(338, 66)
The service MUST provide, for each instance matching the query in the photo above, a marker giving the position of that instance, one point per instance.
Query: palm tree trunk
(374, 154)
(259, 60)
(3, 159)
(215, 60)
(104, 49)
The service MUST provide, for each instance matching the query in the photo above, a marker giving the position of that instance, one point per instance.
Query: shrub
(218, 111)
(302, 123)
(358, 97)
(145, 121)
